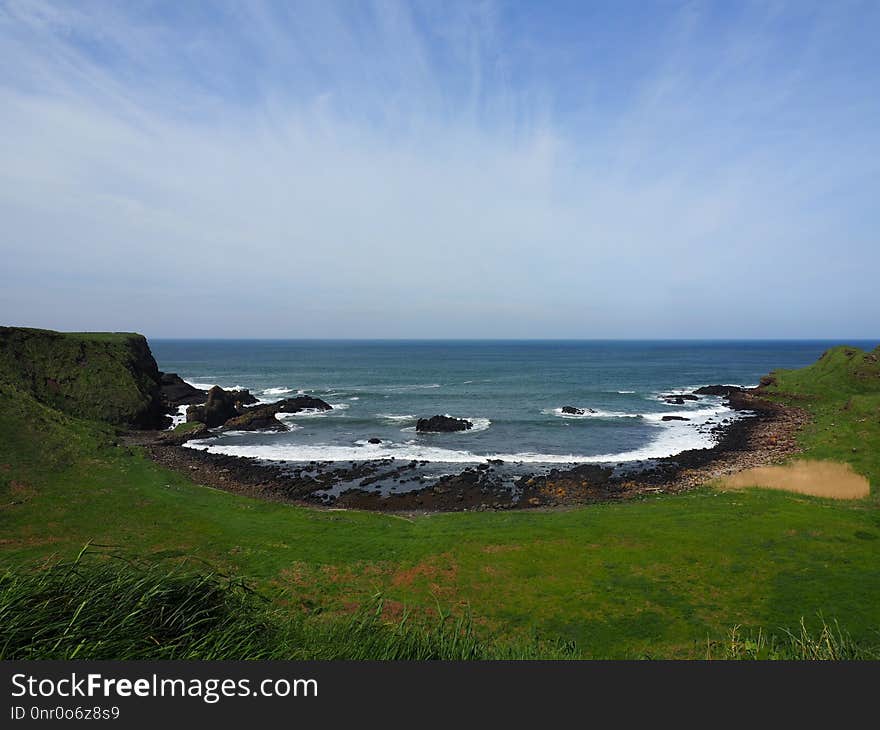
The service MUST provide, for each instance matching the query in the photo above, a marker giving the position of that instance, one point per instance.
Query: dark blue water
(511, 391)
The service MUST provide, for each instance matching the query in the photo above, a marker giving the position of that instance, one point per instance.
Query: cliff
(110, 377)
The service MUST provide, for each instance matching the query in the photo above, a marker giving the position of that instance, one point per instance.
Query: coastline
(763, 436)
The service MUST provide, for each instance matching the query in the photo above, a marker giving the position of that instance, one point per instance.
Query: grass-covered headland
(706, 573)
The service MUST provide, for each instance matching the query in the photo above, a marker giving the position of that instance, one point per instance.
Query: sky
(441, 170)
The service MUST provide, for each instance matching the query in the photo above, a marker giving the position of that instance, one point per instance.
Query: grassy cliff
(109, 377)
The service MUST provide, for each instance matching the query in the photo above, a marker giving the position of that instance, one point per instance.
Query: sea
(513, 393)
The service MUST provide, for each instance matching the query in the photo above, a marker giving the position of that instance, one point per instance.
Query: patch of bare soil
(817, 478)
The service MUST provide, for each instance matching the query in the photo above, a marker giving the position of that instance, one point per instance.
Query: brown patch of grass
(21, 492)
(491, 549)
(29, 541)
(816, 478)
(436, 569)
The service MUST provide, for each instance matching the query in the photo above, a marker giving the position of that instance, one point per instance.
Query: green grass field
(658, 577)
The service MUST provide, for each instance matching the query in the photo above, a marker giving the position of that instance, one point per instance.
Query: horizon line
(513, 339)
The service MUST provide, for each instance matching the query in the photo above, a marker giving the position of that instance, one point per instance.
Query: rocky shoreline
(766, 435)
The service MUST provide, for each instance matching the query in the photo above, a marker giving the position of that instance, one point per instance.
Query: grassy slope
(842, 391)
(654, 577)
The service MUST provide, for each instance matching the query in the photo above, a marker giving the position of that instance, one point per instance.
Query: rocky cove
(763, 433)
(114, 378)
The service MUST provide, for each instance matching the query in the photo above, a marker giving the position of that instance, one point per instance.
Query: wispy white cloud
(391, 169)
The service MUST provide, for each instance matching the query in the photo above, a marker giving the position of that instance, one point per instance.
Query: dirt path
(817, 478)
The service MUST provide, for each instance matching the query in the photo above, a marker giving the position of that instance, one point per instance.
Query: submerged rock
(442, 424)
(674, 418)
(679, 399)
(572, 411)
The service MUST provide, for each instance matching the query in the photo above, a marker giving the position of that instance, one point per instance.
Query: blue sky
(483, 169)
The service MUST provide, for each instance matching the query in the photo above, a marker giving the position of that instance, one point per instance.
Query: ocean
(512, 391)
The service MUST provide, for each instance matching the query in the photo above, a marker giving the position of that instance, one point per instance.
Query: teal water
(511, 391)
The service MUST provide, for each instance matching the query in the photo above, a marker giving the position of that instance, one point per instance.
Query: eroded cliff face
(110, 377)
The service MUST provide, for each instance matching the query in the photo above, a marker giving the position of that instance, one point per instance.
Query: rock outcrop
(255, 419)
(220, 406)
(300, 403)
(442, 424)
(177, 392)
(719, 390)
(227, 408)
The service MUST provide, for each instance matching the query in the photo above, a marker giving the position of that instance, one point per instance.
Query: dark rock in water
(177, 392)
(220, 406)
(674, 418)
(374, 440)
(571, 410)
(442, 424)
(300, 403)
(244, 397)
(226, 408)
(721, 390)
(255, 419)
(679, 399)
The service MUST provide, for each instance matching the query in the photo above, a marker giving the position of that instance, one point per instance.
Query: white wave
(405, 451)
(696, 415)
(416, 386)
(304, 413)
(314, 412)
(671, 440)
(179, 417)
(354, 397)
(624, 392)
(208, 386)
(672, 437)
(478, 424)
(589, 413)
(277, 391)
(200, 386)
(396, 418)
